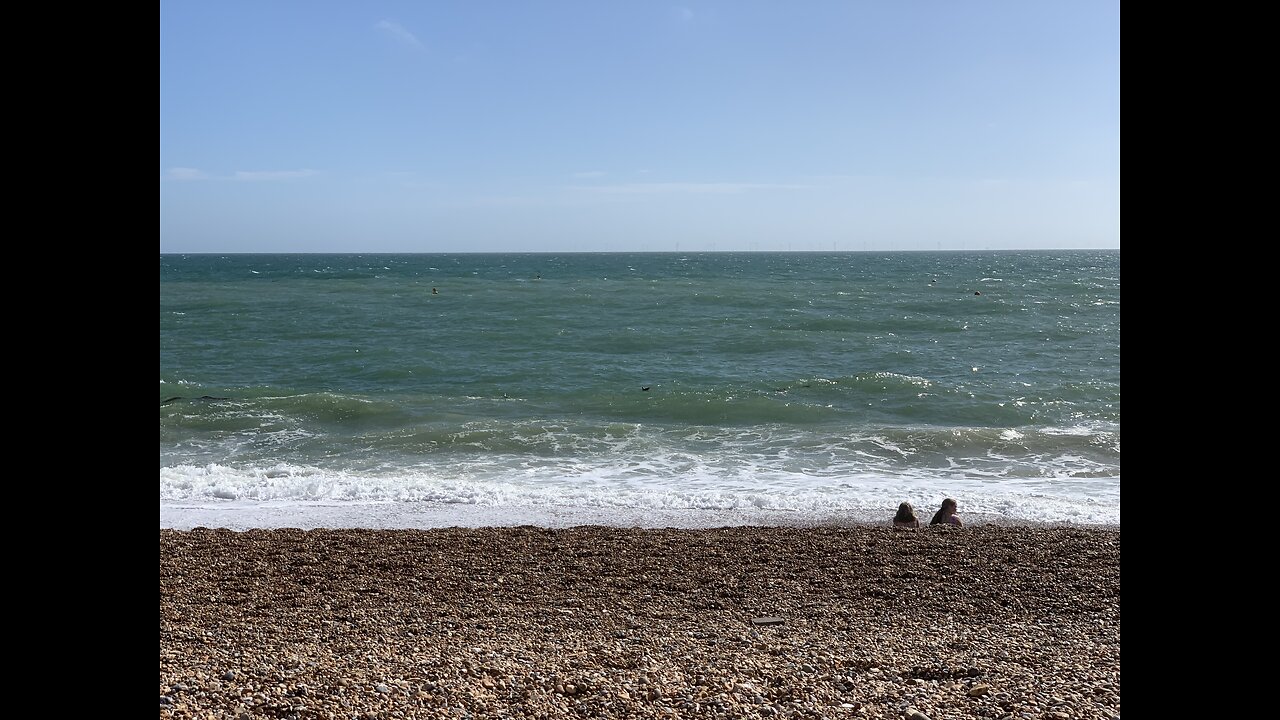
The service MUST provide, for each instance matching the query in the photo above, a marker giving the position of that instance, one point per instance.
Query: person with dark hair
(946, 514)
(906, 517)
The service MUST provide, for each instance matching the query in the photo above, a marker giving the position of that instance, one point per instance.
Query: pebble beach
(599, 622)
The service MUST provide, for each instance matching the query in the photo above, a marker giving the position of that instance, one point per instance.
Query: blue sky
(567, 125)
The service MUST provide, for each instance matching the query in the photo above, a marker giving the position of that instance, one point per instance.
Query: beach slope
(745, 622)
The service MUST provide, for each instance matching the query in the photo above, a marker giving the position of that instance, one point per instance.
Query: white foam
(620, 491)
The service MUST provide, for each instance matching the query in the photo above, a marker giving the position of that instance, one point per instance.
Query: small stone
(382, 688)
(979, 690)
(914, 714)
(229, 675)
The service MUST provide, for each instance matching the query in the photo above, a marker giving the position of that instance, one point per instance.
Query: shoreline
(426, 516)
(983, 621)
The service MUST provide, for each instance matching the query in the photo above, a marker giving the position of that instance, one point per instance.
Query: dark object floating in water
(975, 292)
(767, 621)
(202, 397)
(645, 388)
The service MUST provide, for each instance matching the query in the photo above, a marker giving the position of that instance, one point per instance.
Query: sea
(658, 389)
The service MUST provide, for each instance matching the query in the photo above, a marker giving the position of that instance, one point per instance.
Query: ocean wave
(1040, 501)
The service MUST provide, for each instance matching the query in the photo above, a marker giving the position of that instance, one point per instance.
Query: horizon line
(629, 252)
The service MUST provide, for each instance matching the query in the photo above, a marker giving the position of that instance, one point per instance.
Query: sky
(576, 125)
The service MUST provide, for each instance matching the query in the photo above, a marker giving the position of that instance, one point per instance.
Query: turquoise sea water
(654, 388)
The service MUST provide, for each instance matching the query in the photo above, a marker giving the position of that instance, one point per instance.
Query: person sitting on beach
(946, 514)
(906, 517)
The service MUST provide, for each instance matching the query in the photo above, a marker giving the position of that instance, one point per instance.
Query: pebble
(861, 638)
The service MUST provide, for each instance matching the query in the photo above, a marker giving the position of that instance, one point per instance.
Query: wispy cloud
(181, 173)
(588, 174)
(398, 31)
(255, 175)
(721, 188)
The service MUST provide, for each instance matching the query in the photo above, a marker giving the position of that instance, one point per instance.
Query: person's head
(905, 512)
(945, 513)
